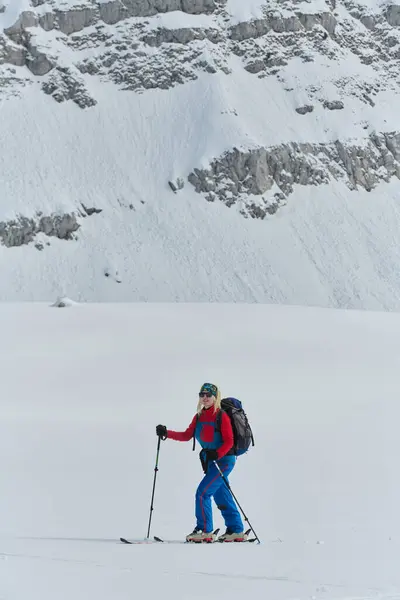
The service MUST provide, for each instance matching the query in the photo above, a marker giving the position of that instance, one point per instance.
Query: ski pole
(236, 500)
(154, 486)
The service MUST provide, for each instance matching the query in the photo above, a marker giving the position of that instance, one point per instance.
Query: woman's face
(208, 399)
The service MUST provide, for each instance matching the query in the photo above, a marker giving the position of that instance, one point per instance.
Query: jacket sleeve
(227, 435)
(183, 436)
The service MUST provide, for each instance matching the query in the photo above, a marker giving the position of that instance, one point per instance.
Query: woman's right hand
(161, 431)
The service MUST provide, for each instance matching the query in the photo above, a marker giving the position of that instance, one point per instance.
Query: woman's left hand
(211, 455)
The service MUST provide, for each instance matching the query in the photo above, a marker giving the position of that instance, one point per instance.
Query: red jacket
(208, 415)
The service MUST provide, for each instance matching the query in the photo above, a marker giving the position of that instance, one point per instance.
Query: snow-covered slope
(200, 150)
(82, 391)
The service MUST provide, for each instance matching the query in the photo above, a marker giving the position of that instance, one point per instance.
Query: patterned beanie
(209, 387)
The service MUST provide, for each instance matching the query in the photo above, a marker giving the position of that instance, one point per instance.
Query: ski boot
(233, 536)
(199, 537)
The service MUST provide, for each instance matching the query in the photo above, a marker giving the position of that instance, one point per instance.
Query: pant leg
(226, 504)
(208, 486)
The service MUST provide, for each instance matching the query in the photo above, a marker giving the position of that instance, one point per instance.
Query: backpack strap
(218, 421)
(194, 433)
(251, 431)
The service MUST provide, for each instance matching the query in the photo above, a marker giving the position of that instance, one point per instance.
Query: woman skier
(216, 446)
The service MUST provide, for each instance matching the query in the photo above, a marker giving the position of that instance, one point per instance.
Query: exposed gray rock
(369, 21)
(259, 27)
(38, 63)
(23, 230)
(249, 29)
(145, 8)
(333, 104)
(324, 19)
(197, 7)
(112, 273)
(69, 21)
(26, 19)
(64, 84)
(176, 185)
(180, 36)
(136, 70)
(263, 208)
(12, 53)
(279, 24)
(392, 142)
(393, 15)
(255, 66)
(76, 19)
(112, 12)
(24, 53)
(59, 226)
(91, 210)
(48, 21)
(238, 175)
(63, 302)
(303, 110)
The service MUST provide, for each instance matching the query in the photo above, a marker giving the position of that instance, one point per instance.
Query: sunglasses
(205, 394)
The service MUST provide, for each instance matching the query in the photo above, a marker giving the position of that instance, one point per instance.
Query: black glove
(161, 431)
(211, 455)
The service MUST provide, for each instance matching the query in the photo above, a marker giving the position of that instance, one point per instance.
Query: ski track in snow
(241, 576)
(244, 576)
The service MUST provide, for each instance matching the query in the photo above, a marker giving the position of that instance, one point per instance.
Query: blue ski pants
(212, 485)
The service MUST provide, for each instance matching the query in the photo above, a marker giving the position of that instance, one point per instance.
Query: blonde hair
(217, 403)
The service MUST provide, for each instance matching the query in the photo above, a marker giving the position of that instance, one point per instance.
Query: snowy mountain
(82, 391)
(200, 150)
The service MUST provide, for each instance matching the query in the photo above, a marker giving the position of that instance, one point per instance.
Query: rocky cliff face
(64, 45)
(268, 175)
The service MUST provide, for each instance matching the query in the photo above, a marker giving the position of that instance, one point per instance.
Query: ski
(154, 540)
(158, 540)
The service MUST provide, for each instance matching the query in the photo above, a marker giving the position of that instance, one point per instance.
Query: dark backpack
(242, 433)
